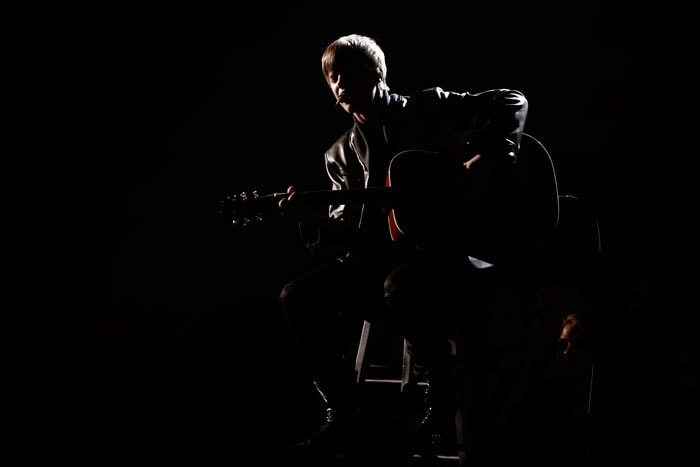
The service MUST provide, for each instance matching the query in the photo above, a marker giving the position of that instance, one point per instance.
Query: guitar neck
(363, 195)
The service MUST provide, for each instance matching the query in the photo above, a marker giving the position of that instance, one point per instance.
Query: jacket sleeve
(491, 120)
(338, 182)
(325, 234)
(500, 121)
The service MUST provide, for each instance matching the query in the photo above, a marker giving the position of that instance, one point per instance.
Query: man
(382, 258)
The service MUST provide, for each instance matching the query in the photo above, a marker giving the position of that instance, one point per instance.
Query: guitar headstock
(245, 208)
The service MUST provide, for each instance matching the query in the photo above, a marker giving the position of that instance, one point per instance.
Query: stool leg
(405, 366)
(361, 349)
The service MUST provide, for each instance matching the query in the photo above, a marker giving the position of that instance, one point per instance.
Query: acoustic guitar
(431, 196)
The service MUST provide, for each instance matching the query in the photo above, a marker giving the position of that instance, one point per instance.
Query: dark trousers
(428, 298)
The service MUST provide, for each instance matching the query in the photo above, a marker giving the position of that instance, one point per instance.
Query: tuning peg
(241, 222)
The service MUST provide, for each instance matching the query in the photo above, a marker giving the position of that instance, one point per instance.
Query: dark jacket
(488, 122)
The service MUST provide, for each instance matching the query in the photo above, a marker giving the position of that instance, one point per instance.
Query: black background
(141, 329)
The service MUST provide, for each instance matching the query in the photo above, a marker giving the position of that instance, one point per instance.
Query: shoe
(432, 433)
(428, 435)
(326, 443)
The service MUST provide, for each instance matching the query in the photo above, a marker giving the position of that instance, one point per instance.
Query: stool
(381, 373)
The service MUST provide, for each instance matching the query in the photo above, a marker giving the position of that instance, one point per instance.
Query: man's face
(353, 83)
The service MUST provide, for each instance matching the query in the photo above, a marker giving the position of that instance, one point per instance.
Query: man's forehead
(350, 59)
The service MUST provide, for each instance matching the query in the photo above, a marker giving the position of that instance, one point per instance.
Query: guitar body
(487, 211)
